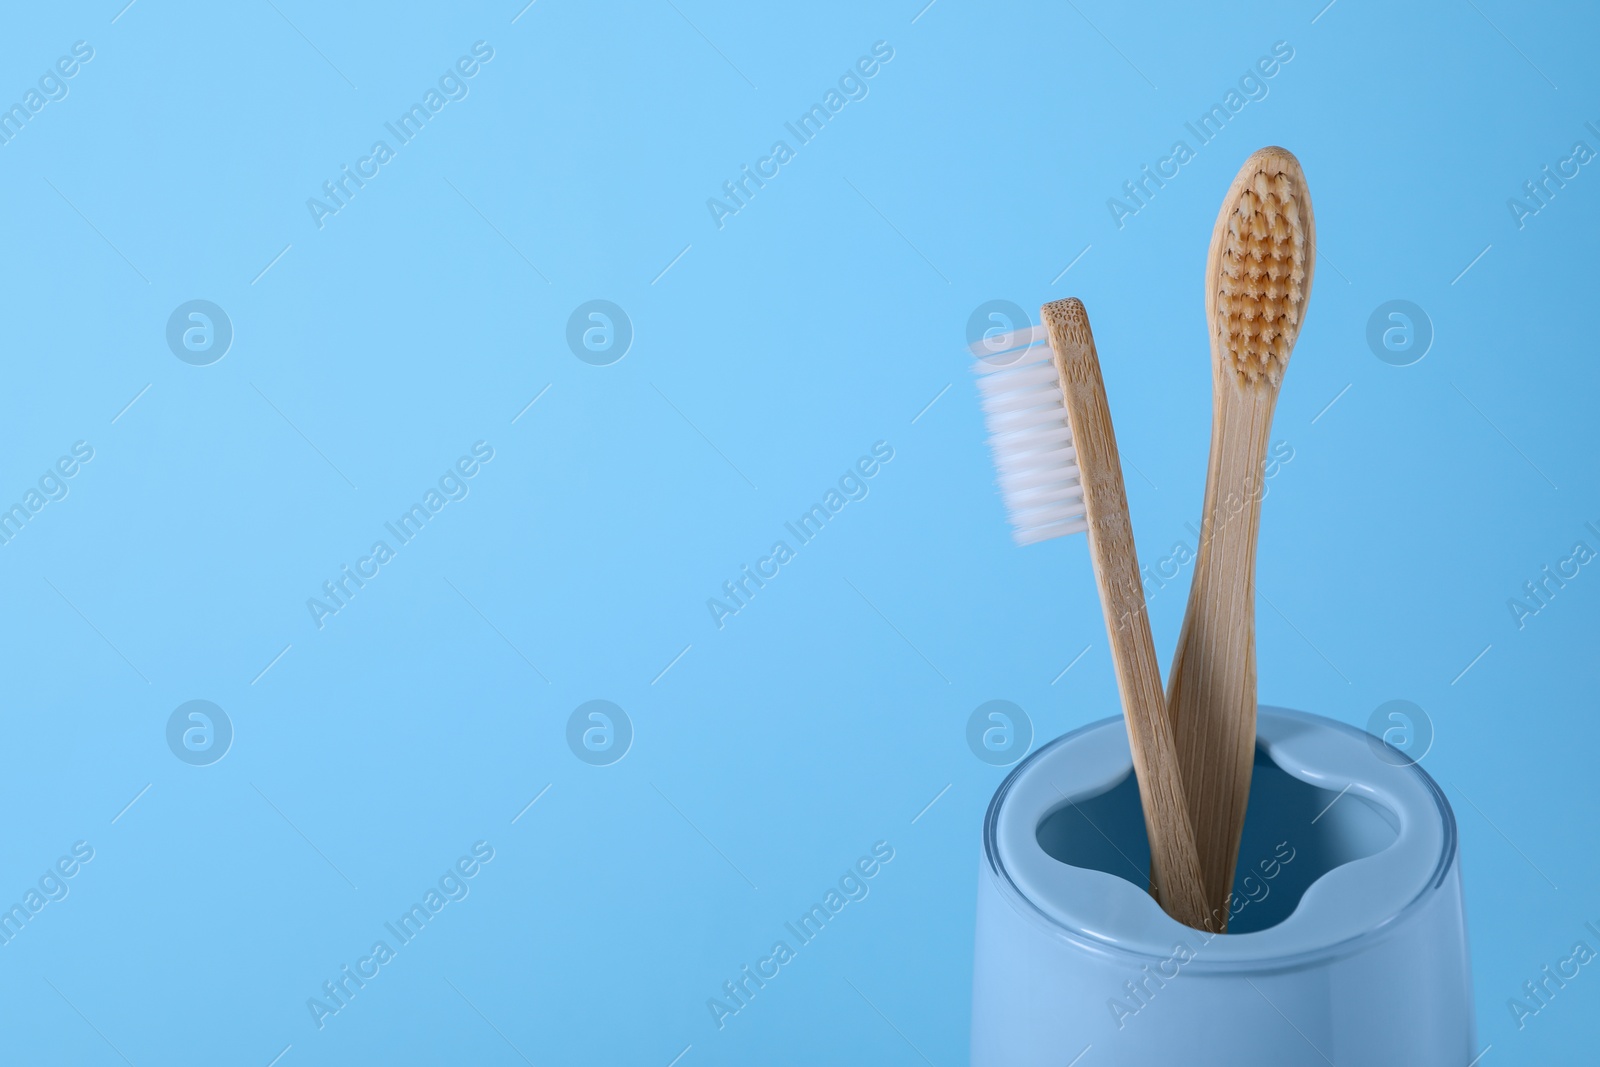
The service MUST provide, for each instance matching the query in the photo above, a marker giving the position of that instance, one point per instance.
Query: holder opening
(1294, 833)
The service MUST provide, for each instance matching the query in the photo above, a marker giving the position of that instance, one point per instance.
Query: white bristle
(1029, 435)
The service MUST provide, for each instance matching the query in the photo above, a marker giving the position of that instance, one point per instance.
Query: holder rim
(1238, 960)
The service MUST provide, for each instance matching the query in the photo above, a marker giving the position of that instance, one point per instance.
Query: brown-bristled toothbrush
(1050, 429)
(1258, 279)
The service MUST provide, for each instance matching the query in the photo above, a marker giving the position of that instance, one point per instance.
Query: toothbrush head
(1263, 251)
(1030, 435)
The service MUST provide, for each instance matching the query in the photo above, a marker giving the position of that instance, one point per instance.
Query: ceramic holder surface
(1347, 940)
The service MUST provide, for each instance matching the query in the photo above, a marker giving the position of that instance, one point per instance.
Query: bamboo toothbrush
(1258, 279)
(1050, 430)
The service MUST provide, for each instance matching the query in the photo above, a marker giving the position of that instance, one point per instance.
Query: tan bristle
(1262, 271)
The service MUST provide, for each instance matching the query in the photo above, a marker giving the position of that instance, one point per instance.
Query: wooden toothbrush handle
(1212, 696)
(1174, 860)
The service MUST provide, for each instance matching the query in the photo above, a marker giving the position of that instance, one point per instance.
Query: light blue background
(822, 318)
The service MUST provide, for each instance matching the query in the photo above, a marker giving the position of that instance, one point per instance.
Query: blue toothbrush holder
(1347, 939)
